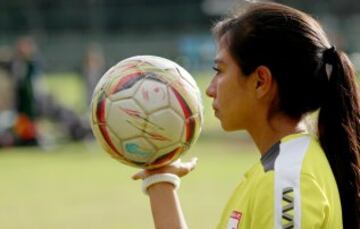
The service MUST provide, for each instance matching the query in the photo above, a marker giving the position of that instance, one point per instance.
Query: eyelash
(217, 70)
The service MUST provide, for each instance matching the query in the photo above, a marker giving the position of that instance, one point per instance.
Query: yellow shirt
(292, 186)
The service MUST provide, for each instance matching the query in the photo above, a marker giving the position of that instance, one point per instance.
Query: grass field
(76, 185)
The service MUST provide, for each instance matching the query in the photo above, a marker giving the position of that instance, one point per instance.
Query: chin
(228, 128)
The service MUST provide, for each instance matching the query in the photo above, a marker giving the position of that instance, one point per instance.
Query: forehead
(222, 49)
(222, 54)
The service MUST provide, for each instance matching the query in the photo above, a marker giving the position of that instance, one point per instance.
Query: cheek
(239, 106)
(228, 91)
(224, 87)
(237, 116)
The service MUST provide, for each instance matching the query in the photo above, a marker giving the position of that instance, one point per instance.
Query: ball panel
(125, 82)
(117, 76)
(166, 158)
(103, 135)
(161, 76)
(180, 102)
(126, 65)
(185, 75)
(149, 68)
(185, 94)
(115, 141)
(189, 129)
(106, 83)
(104, 80)
(163, 69)
(154, 61)
(175, 71)
(174, 102)
(123, 69)
(100, 108)
(152, 95)
(192, 129)
(165, 128)
(138, 149)
(166, 150)
(126, 119)
(126, 87)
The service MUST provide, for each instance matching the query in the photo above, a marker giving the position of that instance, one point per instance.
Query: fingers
(193, 162)
(178, 168)
(188, 166)
(145, 173)
(140, 175)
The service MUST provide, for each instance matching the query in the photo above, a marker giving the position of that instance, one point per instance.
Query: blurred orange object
(25, 128)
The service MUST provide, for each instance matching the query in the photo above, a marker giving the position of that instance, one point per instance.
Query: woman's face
(232, 92)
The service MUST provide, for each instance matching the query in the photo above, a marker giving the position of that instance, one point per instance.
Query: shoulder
(296, 182)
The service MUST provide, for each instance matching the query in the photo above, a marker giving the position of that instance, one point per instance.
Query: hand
(177, 167)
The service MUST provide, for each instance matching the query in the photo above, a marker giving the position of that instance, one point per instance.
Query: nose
(211, 90)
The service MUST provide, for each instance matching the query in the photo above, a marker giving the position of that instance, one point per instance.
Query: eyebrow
(218, 61)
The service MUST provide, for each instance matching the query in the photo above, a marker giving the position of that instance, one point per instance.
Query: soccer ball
(146, 111)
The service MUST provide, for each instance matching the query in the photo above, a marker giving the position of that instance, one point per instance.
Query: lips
(215, 110)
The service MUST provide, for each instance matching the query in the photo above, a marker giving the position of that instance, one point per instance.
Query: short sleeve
(314, 203)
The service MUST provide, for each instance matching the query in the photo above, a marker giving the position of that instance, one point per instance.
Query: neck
(267, 133)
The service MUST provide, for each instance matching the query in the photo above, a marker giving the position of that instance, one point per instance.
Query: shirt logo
(288, 208)
(234, 220)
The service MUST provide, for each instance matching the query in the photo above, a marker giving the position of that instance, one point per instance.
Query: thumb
(188, 166)
(140, 175)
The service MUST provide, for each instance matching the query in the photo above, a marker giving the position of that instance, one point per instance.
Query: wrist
(160, 188)
(165, 178)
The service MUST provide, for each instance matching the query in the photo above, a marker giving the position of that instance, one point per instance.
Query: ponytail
(339, 133)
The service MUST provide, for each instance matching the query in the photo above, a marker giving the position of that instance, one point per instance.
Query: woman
(274, 66)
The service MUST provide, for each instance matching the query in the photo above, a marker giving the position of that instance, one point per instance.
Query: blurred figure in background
(29, 103)
(7, 101)
(25, 69)
(6, 84)
(21, 73)
(33, 102)
(93, 68)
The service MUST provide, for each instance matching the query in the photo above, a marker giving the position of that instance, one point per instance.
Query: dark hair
(296, 50)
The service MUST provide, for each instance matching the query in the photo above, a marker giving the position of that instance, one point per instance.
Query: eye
(216, 69)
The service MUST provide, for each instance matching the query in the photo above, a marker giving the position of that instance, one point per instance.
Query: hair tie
(329, 55)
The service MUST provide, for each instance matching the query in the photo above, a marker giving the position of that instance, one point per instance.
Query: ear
(264, 81)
